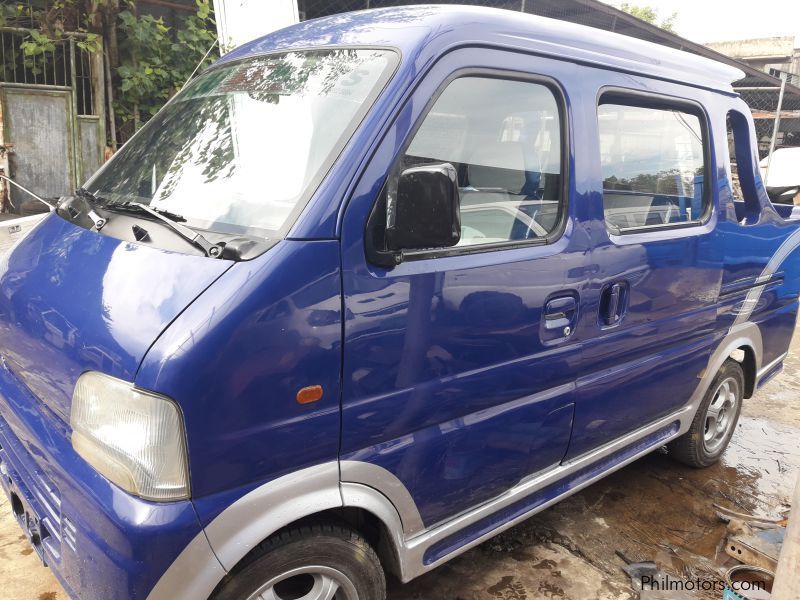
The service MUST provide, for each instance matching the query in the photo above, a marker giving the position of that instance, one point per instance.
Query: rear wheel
(315, 562)
(715, 421)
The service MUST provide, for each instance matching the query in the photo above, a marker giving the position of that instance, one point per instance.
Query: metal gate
(52, 124)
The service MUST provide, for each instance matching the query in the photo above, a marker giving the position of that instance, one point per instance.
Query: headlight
(133, 438)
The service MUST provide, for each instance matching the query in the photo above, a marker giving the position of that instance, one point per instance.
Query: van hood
(73, 300)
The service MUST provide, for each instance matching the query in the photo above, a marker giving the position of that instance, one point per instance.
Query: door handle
(613, 303)
(559, 313)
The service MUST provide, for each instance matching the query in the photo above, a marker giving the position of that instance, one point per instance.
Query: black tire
(694, 448)
(328, 552)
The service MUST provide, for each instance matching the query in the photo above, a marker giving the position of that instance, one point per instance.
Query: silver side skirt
(413, 549)
(767, 368)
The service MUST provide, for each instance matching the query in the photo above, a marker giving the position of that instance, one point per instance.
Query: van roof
(426, 31)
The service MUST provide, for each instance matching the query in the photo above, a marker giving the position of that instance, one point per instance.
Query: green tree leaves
(650, 15)
(155, 60)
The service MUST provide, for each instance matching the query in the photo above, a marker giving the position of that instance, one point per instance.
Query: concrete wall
(764, 54)
(767, 50)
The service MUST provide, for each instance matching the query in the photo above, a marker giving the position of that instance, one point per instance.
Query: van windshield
(242, 148)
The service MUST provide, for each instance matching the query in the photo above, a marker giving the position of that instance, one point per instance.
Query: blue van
(376, 287)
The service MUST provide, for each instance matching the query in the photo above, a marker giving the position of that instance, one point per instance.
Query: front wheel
(315, 562)
(715, 421)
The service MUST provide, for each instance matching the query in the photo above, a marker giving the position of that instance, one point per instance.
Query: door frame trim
(503, 73)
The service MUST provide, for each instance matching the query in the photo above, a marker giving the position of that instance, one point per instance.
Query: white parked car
(784, 175)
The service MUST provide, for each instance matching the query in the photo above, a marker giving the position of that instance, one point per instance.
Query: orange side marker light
(309, 394)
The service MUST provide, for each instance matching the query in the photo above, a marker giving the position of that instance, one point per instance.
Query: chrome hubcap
(307, 583)
(721, 414)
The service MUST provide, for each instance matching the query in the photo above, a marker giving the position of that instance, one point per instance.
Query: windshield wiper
(136, 206)
(92, 201)
(171, 221)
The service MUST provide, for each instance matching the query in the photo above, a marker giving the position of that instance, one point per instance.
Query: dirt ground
(653, 510)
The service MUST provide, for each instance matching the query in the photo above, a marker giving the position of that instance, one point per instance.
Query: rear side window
(504, 139)
(742, 169)
(653, 164)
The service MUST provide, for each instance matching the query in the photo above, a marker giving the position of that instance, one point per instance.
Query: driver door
(460, 363)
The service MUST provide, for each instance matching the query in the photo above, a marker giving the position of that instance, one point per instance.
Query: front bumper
(99, 541)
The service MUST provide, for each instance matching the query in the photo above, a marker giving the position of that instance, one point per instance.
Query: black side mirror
(424, 212)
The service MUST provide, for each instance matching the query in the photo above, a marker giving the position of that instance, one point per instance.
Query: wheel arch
(743, 343)
(314, 493)
(746, 357)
